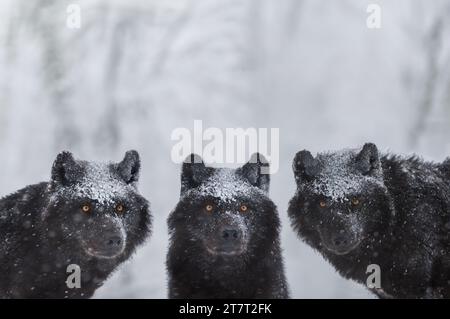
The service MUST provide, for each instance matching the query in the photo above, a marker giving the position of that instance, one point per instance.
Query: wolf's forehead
(100, 184)
(337, 164)
(338, 178)
(225, 185)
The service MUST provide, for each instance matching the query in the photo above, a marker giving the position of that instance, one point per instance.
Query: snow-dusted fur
(357, 208)
(200, 262)
(43, 228)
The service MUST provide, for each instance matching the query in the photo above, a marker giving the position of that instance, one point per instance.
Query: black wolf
(361, 208)
(225, 234)
(89, 217)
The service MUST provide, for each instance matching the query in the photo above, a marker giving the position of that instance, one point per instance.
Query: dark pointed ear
(130, 167)
(65, 169)
(368, 160)
(193, 172)
(305, 166)
(256, 171)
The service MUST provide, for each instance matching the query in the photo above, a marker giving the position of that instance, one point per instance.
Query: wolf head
(97, 206)
(223, 213)
(341, 198)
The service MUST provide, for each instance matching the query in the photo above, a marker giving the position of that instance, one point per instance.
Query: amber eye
(322, 204)
(86, 208)
(209, 208)
(244, 208)
(355, 201)
(120, 208)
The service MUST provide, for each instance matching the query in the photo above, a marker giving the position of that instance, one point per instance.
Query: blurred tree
(433, 45)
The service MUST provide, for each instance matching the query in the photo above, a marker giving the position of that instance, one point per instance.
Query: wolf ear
(368, 160)
(130, 167)
(305, 166)
(256, 171)
(65, 169)
(193, 172)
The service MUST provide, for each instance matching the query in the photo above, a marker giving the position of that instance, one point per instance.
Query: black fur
(225, 252)
(43, 228)
(359, 208)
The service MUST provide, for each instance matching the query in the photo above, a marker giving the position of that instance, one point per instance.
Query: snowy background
(136, 70)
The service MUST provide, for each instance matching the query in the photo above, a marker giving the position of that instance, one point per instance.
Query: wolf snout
(227, 241)
(339, 243)
(114, 241)
(230, 235)
(342, 244)
(112, 244)
(107, 244)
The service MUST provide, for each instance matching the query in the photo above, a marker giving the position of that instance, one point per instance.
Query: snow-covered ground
(136, 70)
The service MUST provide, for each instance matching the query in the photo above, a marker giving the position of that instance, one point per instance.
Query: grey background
(136, 70)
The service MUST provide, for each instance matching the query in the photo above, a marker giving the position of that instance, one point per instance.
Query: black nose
(340, 241)
(229, 234)
(114, 241)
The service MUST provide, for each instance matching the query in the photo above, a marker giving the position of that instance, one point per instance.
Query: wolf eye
(355, 201)
(120, 208)
(322, 204)
(209, 208)
(86, 208)
(243, 208)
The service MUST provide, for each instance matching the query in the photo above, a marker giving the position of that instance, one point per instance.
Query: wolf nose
(231, 234)
(340, 241)
(114, 241)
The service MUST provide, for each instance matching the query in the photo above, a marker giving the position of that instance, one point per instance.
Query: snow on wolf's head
(223, 213)
(97, 206)
(340, 198)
